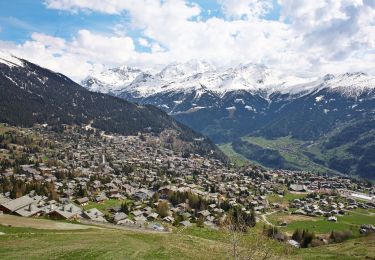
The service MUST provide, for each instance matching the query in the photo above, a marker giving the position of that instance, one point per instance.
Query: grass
(321, 226)
(357, 218)
(105, 206)
(21, 243)
(359, 248)
(292, 151)
(102, 244)
(283, 200)
(236, 158)
(192, 243)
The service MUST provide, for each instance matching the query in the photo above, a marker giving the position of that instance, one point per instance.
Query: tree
(251, 219)
(155, 197)
(163, 209)
(200, 222)
(125, 207)
(256, 248)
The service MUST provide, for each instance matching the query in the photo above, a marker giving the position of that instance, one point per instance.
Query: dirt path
(263, 218)
(14, 221)
(134, 228)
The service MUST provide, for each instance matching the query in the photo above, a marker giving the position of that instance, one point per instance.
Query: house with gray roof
(16, 204)
(95, 215)
(66, 211)
(29, 211)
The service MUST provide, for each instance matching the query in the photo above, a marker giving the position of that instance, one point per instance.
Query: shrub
(340, 236)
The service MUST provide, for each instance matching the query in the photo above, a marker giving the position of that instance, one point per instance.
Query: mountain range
(32, 95)
(327, 122)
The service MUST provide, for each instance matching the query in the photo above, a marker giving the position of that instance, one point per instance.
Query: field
(192, 243)
(284, 200)
(93, 243)
(105, 206)
(236, 158)
(293, 151)
(320, 225)
(359, 248)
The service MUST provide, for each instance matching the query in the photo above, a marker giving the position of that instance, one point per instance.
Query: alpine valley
(258, 114)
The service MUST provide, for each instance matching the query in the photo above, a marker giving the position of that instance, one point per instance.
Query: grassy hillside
(236, 158)
(290, 153)
(193, 243)
(349, 149)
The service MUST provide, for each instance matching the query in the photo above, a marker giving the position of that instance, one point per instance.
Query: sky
(299, 37)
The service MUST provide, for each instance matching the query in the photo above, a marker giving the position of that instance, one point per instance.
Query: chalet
(82, 201)
(29, 211)
(332, 219)
(298, 187)
(137, 213)
(168, 219)
(143, 194)
(67, 211)
(94, 215)
(204, 213)
(153, 216)
(16, 204)
(119, 216)
(101, 198)
(185, 223)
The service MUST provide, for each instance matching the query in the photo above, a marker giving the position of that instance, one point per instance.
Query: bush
(297, 235)
(317, 242)
(340, 236)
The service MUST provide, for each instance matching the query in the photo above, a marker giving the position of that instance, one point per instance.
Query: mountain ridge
(32, 94)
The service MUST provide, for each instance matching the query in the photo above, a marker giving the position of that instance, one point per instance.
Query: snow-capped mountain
(112, 80)
(203, 77)
(247, 95)
(251, 99)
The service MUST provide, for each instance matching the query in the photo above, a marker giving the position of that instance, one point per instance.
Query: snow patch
(10, 60)
(250, 108)
(319, 98)
(239, 100)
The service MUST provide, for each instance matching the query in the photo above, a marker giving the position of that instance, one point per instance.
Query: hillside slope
(31, 94)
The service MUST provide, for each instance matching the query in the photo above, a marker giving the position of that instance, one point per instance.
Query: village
(136, 181)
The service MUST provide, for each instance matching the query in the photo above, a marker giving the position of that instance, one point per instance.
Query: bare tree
(246, 245)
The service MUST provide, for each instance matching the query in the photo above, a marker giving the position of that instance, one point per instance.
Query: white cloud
(103, 6)
(144, 42)
(311, 37)
(245, 8)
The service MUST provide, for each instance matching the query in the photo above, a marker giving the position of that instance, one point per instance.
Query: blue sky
(20, 18)
(296, 36)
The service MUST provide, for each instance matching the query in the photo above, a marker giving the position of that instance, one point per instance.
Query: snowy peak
(201, 76)
(112, 80)
(10, 60)
(351, 84)
(181, 70)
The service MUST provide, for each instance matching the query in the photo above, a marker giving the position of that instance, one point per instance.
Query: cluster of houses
(85, 167)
